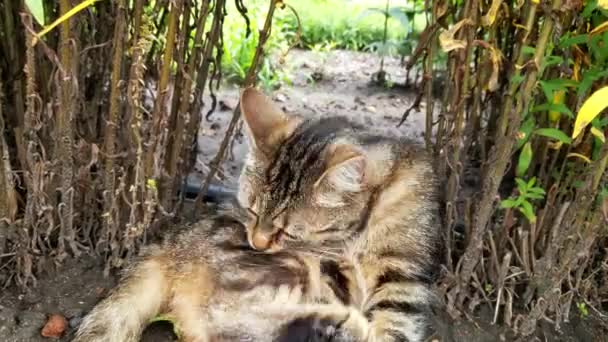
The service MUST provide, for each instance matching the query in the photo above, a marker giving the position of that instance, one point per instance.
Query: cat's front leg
(327, 323)
(399, 312)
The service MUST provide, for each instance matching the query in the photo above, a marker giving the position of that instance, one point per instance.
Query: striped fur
(331, 187)
(217, 288)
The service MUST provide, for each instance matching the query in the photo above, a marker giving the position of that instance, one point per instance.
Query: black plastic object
(216, 193)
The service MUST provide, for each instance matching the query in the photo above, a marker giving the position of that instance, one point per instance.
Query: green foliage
(555, 134)
(585, 55)
(582, 309)
(239, 48)
(525, 157)
(349, 24)
(553, 114)
(527, 192)
(405, 16)
(355, 26)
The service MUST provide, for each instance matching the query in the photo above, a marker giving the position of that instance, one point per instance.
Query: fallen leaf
(54, 327)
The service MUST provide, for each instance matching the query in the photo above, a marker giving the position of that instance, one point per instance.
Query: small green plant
(349, 28)
(527, 192)
(389, 47)
(239, 48)
(582, 309)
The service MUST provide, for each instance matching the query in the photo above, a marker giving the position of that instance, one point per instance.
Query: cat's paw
(343, 326)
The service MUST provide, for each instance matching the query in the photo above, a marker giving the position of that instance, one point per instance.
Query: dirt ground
(341, 88)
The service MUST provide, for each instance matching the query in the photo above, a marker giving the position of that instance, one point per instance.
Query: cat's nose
(261, 241)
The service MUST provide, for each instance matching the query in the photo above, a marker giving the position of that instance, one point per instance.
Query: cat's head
(305, 181)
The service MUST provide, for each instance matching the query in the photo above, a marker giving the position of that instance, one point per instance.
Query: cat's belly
(260, 313)
(254, 315)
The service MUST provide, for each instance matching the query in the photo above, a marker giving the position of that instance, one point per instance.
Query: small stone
(371, 109)
(75, 321)
(358, 100)
(280, 97)
(54, 327)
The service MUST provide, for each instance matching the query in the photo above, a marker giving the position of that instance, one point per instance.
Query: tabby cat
(341, 244)
(332, 187)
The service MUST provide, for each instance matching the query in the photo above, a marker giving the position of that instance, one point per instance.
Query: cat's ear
(344, 175)
(266, 124)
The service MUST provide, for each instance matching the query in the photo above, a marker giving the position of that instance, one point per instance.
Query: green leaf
(531, 182)
(529, 50)
(550, 86)
(556, 107)
(525, 157)
(568, 41)
(528, 211)
(522, 186)
(598, 50)
(551, 60)
(36, 7)
(536, 190)
(589, 77)
(525, 131)
(517, 79)
(508, 203)
(534, 196)
(555, 134)
(590, 6)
